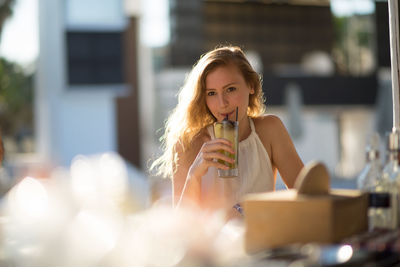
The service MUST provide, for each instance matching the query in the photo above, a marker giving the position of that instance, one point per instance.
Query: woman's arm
(281, 149)
(180, 181)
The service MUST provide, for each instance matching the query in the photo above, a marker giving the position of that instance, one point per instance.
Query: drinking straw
(237, 113)
(394, 56)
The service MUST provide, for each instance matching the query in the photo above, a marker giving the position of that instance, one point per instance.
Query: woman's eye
(211, 93)
(231, 89)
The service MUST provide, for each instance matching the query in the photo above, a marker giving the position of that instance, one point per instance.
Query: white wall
(86, 124)
(68, 122)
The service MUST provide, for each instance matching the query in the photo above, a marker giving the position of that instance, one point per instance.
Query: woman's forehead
(224, 73)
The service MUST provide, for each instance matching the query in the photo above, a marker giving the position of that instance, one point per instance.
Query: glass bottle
(372, 171)
(371, 180)
(391, 174)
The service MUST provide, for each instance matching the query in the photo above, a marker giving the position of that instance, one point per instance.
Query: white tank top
(255, 175)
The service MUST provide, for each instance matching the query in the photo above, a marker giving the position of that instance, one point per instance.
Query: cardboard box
(309, 213)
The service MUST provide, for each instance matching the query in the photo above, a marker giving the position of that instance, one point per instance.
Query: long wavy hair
(191, 114)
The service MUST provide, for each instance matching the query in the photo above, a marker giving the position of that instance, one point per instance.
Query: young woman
(221, 81)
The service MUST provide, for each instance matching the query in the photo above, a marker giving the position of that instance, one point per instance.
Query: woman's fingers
(221, 140)
(210, 155)
(217, 155)
(216, 164)
(218, 144)
(201, 164)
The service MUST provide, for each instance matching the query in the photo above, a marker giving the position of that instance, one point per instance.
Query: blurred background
(82, 77)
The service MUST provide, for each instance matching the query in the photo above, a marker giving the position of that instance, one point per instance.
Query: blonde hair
(191, 114)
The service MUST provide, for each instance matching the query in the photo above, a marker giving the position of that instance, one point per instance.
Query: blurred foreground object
(93, 215)
(371, 172)
(309, 213)
(70, 218)
(371, 180)
(391, 174)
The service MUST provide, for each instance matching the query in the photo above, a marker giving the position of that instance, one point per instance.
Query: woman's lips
(224, 115)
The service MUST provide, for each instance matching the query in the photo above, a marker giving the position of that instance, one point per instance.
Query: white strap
(253, 128)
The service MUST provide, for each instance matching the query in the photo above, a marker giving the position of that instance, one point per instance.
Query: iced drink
(228, 130)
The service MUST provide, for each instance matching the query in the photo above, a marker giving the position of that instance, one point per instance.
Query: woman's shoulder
(195, 144)
(267, 122)
(186, 155)
(270, 128)
(199, 139)
(272, 132)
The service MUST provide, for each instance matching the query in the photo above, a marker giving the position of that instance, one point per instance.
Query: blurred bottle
(391, 174)
(372, 171)
(371, 180)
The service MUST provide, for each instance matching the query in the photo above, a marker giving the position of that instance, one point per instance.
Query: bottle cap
(372, 148)
(393, 141)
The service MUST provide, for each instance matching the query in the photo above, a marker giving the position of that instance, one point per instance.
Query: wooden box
(309, 213)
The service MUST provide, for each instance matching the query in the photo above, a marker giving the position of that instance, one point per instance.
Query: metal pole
(394, 56)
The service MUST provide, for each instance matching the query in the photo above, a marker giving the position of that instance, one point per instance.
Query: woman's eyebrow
(227, 85)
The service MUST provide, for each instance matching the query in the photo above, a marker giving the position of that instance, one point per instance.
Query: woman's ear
(252, 91)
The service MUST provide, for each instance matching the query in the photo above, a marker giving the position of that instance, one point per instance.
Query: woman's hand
(209, 155)
(194, 162)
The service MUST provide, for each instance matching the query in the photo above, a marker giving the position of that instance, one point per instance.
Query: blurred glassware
(371, 180)
(391, 173)
(371, 173)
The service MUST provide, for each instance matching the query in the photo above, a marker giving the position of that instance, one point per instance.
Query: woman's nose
(223, 101)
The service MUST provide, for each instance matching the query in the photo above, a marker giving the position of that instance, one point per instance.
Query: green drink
(228, 130)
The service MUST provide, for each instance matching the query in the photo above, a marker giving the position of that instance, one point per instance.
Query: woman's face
(226, 89)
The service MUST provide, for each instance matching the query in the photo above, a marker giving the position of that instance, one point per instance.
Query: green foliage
(16, 99)
(11, 76)
(5, 11)
(340, 24)
(353, 45)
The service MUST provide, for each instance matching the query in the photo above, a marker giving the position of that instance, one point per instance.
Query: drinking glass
(228, 130)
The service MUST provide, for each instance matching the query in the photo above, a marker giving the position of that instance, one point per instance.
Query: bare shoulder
(269, 125)
(189, 153)
(270, 130)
